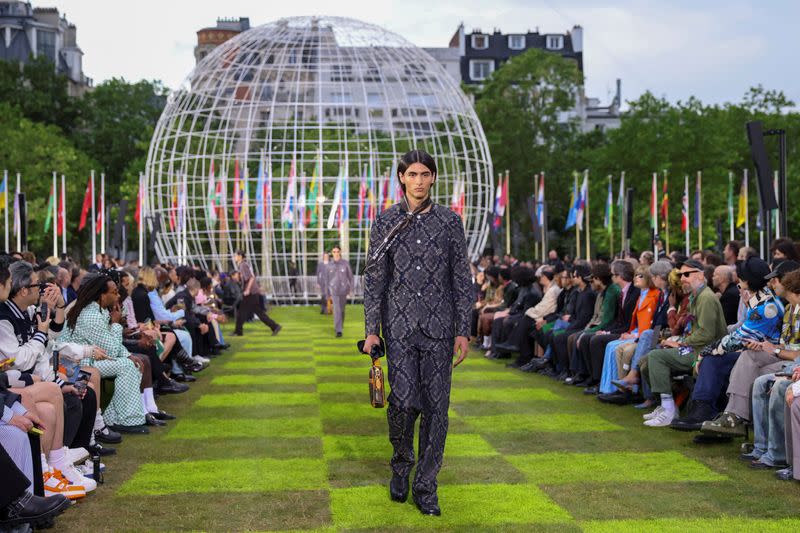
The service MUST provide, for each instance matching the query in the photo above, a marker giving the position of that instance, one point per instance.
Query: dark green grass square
(378, 446)
(257, 398)
(195, 429)
(562, 423)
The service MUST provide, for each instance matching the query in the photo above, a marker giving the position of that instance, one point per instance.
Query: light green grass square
(469, 506)
(263, 379)
(693, 525)
(346, 388)
(205, 428)
(348, 371)
(267, 364)
(560, 422)
(510, 395)
(602, 467)
(283, 355)
(345, 410)
(379, 447)
(257, 398)
(227, 475)
(488, 375)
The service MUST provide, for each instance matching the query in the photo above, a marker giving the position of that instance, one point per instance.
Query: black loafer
(398, 488)
(171, 387)
(134, 430)
(185, 378)
(107, 436)
(37, 511)
(151, 420)
(277, 330)
(428, 508)
(162, 415)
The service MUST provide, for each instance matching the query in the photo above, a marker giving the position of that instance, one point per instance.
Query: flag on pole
(685, 207)
(237, 192)
(344, 211)
(608, 221)
(654, 204)
(2, 194)
(244, 215)
(362, 195)
(730, 200)
(100, 213)
(213, 197)
(87, 204)
(621, 198)
(498, 203)
(337, 198)
(741, 217)
(287, 217)
(268, 194)
(540, 202)
(697, 203)
(301, 204)
(260, 180)
(173, 212)
(312, 213)
(60, 211)
(372, 210)
(137, 215)
(584, 194)
(50, 205)
(393, 195)
(664, 203)
(574, 202)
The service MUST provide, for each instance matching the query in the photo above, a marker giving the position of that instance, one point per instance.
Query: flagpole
(687, 237)
(63, 214)
(611, 220)
(55, 215)
(699, 211)
(507, 213)
(588, 230)
(17, 218)
(666, 212)
(543, 222)
(577, 226)
(777, 195)
(623, 206)
(141, 220)
(654, 212)
(730, 204)
(536, 213)
(5, 207)
(94, 241)
(103, 212)
(746, 210)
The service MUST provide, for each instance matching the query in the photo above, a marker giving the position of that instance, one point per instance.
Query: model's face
(418, 180)
(337, 254)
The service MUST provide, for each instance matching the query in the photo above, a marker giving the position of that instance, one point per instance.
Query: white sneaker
(202, 360)
(662, 419)
(77, 455)
(87, 468)
(74, 476)
(657, 411)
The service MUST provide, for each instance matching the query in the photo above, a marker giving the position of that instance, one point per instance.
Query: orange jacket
(643, 315)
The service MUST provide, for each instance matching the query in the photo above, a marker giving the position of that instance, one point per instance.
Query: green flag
(50, 205)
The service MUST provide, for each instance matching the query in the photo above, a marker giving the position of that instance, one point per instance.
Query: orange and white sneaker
(55, 483)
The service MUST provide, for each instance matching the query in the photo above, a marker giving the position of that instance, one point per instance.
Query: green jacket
(609, 312)
(708, 322)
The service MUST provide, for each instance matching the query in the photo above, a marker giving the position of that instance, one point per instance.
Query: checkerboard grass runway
(278, 435)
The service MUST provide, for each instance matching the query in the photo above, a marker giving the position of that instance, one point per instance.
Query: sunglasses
(689, 273)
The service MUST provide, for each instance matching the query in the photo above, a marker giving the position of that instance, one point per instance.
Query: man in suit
(322, 282)
(340, 284)
(593, 351)
(418, 294)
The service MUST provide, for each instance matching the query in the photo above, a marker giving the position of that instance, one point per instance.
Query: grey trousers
(339, 301)
(419, 376)
(793, 435)
(748, 367)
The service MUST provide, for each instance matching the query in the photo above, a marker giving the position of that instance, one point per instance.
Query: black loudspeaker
(23, 221)
(755, 136)
(629, 213)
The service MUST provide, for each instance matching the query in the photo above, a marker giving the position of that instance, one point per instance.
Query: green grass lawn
(278, 435)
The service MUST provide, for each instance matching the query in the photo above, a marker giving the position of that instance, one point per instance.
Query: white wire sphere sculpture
(249, 151)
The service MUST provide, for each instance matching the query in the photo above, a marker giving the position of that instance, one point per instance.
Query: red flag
(99, 226)
(237, 199)
(664, 204)
(60, 213)
(137, 215)
(87, 204)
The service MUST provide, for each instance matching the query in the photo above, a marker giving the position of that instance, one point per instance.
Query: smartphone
(43, 311)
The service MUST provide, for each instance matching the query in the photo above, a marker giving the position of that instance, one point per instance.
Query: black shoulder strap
(408, 218)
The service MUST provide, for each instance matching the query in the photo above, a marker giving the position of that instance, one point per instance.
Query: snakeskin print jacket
(423, 281)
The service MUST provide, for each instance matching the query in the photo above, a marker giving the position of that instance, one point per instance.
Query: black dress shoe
(35, 510)
(186, 378)
(427, 508)
(514, 365)
(102, 451)
(222, 346)
(107, 436)
(338, 334)
(616, 397)
(171, 387)
(591, 390)
(134, 430)
(162, 415)
(504, 347)
(150, 420)
(278, 330)
(398, 488)
(699, 412)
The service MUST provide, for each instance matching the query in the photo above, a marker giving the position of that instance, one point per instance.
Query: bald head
(723, 276)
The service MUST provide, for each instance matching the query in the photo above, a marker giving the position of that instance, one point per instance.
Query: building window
(480, 69)
(555, 42)
(516, 42)
(342, 73)
(480, 41)
(46, 44)
(374, 99)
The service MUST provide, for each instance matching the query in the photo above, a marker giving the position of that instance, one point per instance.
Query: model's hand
(460, 350)
(369, 342)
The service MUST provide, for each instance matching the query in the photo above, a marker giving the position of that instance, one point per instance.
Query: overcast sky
(711, 49)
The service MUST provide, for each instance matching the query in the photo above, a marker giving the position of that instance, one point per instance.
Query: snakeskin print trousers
(419, 377)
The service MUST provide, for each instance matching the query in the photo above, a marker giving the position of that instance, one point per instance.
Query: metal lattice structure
(295, 108)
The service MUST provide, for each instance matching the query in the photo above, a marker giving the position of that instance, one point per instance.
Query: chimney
(577, 39)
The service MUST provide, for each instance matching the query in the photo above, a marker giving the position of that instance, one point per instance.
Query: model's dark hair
(89, 292)
(415, 156)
